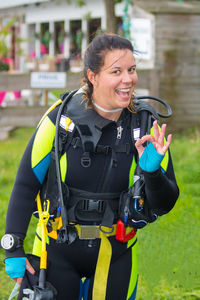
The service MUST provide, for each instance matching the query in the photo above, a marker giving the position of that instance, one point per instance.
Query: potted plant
(5, 60)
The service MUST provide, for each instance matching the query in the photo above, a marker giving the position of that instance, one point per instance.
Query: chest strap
(92, 208)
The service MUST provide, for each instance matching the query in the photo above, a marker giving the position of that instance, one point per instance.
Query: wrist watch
(11, 242)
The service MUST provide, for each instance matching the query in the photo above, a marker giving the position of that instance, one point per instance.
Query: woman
(97, 167)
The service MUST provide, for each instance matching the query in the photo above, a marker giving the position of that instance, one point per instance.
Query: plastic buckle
(93, 205)
(86, 160)
(107, 149)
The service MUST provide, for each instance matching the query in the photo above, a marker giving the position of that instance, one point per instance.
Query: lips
(123, 93)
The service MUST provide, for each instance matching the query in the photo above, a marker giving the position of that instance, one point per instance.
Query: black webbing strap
(99, 208)
(101, 149)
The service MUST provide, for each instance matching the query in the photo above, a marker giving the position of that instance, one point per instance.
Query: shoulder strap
(88, 124)
(146, 113)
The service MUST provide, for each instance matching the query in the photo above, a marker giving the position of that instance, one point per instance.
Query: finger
(167, 144)
(140, 142)
(29, 268)
(144, 139)
(162, 135)
(139, 147)
(156, 130)
(18, 280)
(147, 138)
(169, 139)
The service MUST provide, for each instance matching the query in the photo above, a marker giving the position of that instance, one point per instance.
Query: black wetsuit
(70, 263)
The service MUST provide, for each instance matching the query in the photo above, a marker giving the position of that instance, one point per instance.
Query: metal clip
(119, 132)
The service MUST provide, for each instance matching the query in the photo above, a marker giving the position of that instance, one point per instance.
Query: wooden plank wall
(178, 59)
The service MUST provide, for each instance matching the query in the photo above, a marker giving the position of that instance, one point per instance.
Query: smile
(123, 92)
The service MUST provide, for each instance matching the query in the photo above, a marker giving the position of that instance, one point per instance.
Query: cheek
(135, 78)
(112, 83)
(107, 83)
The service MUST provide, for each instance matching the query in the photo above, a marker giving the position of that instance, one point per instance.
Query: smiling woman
(82, 157)
(110, 74)
(115, 83)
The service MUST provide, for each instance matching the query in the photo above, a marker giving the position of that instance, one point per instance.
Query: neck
(106, 110)
(112, 114)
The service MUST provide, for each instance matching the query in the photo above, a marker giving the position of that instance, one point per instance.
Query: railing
(148, 80)
(26, 115)
(22, 81)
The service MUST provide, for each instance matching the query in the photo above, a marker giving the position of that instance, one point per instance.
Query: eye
(132, 69)
(116, 72)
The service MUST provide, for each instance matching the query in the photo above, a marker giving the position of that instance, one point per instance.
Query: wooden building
(177, 56)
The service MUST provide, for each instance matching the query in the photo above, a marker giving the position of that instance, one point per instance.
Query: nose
(129, 77)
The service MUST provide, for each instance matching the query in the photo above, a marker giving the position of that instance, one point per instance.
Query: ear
(91, 76)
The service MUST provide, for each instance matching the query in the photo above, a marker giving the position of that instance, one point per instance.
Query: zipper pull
(119, 132)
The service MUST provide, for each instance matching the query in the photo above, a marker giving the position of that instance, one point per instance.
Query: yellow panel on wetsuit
(63, 166)
(132, 171)
(49, 110)
(134, 271)
(42, 145)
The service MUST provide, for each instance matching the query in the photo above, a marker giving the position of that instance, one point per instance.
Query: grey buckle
(89, 232)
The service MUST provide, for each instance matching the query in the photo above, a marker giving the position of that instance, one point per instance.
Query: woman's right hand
(15, 267)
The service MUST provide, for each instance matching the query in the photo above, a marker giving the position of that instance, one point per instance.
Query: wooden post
(45, 96)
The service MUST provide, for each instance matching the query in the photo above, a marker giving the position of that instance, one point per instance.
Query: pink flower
(2, 95)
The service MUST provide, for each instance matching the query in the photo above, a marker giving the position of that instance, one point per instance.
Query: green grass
(11, 152)
(169, 259)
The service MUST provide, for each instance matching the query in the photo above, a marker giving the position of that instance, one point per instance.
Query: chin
(124, 103)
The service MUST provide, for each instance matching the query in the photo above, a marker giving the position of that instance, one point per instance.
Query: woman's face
(114, 84)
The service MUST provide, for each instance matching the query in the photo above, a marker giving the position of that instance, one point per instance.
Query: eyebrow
(120, 67)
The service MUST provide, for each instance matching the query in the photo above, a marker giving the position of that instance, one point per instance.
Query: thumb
(139, 143)
(29, 268)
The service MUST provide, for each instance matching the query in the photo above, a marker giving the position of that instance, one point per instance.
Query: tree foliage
(4, 32)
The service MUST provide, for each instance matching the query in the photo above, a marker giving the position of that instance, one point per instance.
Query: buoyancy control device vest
(84, 207)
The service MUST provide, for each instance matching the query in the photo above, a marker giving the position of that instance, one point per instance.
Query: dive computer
(10, 242)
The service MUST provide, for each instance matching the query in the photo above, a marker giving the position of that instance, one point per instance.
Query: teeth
(124, 90)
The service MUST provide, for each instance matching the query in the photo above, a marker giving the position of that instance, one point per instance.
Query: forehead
(118, 57)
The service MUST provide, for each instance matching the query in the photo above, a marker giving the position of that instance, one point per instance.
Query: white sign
(141, 35)
(48, 80)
